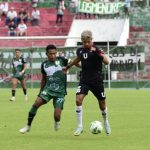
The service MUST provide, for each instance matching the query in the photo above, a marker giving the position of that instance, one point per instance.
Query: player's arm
(13, 67)
(101, 54)
(43, 82)
(72, 63)
(24, 66)
(77, 65)
(44, 77)
(105, 60)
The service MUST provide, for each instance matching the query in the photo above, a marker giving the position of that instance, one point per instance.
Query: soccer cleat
(107, 127)
(57, 126)
(78, 131)
(25, 97)
(25, 129)
(12, 99)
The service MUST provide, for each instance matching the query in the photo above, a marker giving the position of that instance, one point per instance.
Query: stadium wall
(114, 30)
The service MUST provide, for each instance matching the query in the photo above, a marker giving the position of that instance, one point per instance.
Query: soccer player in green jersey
(19, 66)
(53, 86)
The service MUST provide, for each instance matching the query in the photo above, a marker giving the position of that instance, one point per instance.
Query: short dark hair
(50, 47)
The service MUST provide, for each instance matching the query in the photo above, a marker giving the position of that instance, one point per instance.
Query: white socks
(79, 111)
(57, 123)
(79, 116)
(104, 113)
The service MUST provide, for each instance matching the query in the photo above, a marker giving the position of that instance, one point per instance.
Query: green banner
(100, 8)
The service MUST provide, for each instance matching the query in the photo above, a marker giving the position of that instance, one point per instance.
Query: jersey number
(60, 100)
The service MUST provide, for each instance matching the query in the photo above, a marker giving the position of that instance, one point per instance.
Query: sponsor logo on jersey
(85, 55)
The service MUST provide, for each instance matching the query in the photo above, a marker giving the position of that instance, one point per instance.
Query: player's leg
(14, 85)
(23, 84)
(104, 113)
(57, 117)
(81, 93)
(98, 91)
(39, 102)
(58, 105)
(79, 110)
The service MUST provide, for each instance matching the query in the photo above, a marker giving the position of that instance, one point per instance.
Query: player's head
(17, 53)
(51, 52)
(86, 37)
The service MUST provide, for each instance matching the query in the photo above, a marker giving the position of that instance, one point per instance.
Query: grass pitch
(128, 114)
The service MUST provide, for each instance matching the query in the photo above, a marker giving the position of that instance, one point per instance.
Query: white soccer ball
(96, 127)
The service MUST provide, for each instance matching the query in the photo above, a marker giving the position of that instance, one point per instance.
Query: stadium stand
(139, 26)
(140, 33)
(105, 26)
(47, 22)
(47, 26)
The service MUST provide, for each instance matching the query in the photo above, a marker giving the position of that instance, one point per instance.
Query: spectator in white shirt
(11, 16)
(3, 8)
(22, 29)
(35, 17)
(60, 12)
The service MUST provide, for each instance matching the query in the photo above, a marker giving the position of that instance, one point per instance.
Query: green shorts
(19, 77)
(58, 102)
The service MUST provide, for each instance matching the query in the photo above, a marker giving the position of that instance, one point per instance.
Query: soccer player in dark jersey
(53, 86)
(19, 66)
(91, 59)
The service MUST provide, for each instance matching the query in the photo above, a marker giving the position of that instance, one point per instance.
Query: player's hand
(64, 69)
(101, 53)
(93, 49)
(20, 73)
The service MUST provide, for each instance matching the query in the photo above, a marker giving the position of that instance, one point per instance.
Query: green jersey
(55, 77)
(18, 65)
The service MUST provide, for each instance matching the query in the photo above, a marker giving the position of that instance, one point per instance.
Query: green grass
(128, 114)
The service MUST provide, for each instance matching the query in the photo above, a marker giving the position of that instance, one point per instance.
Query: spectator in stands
(22, 29)
(127, 7)
(22, 15)
(34, 3)
(35, 17)
(12, 29)
(61, 1)
(87, 15)
(60, 12)
(76, 3)
(11, 16)
(118, 13)
(3, 8)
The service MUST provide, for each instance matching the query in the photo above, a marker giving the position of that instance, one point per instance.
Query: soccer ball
(96, 127)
